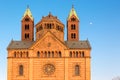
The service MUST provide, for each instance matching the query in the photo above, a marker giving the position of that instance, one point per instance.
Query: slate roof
(20, 44)
(70, 44)
(78, 44)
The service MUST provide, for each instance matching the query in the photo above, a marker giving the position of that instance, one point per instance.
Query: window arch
(73, 27)
(52, 53)
(38, 54)
(45, 54)
(27, 19)
(70, 53)
(21, 70)
(77, 70)
(27, 54)
(26, 26)
(14, 54)
(59, 54)
(20, 54)
(73, 19)
(76, 54)
(26, 35)
(48, 53)
(82, 55)
(73, 35)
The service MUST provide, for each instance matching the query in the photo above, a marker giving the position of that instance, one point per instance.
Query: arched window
(73, 19)
(14, 54)
(26, 35)
(82, 55)
(73, 53)
(52, 53)
(38, 54)
(76, 54)
(50, 26)
(77, 70)
(26, 54)
(26, 26)
(48, 53)
(45, 54)
(73, 35)
(21, 70)
(73, 27)
(20, 54)
(27, 19)
(70, 53)
(59, 54)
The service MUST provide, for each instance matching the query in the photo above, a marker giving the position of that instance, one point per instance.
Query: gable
(49, 42)
(73, 16)
(26, 18)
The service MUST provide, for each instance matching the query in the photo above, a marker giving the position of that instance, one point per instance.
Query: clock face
(49, 69)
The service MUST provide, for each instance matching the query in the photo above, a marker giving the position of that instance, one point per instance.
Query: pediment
(49, 42)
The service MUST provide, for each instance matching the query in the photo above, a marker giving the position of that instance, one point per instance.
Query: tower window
(49, 26)
(26, 36)
(73, 19)
(26, 26)
(77, 70)
(21, 70)
(26, 19)
(73, 27)
(73, 35)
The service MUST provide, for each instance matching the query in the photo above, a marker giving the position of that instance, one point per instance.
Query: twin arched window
(73, 35)
(26, 35)
(26, 26)
(73, 27)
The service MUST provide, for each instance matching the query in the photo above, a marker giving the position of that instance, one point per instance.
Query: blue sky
(103, 33)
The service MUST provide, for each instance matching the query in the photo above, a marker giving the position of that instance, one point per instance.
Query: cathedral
(49, 56)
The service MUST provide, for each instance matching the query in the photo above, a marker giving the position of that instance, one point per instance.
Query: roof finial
(72, 6)
(49, 13)
(27, 6)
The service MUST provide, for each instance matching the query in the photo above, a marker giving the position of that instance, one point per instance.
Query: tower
(52, 24)
(27, 26)
(73, 26)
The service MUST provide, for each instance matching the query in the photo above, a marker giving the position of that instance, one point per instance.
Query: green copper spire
(28, 12)
(72, 12)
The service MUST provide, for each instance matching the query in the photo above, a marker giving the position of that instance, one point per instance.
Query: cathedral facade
(49, 56)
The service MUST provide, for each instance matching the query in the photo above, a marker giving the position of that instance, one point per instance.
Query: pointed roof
(72, 12)
(28, 12)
